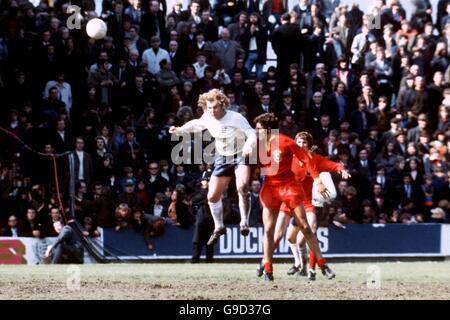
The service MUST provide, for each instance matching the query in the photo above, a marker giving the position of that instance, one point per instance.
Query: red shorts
(306, 203)
(290, 194)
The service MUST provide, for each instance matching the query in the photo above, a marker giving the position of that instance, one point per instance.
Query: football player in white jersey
(234, 142)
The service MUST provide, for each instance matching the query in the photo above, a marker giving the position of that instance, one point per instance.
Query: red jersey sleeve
(325, 165)
(303, 156)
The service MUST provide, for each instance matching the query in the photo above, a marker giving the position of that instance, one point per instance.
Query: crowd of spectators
(376, 99)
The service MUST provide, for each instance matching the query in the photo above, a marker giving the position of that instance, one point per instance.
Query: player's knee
(305, 229)
(292, 238)
(213, 198)
(242, 190)
(269, 231)
(278, 236)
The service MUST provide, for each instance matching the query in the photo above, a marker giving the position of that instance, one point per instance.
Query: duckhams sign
(419, 240)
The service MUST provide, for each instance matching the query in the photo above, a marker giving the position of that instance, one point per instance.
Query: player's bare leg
(312, 241)
(217, 187)
(269, 219)
(280, 228)
(292, 233)
(242, 173)
(301, 241)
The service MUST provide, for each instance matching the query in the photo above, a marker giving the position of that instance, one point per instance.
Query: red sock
(312, 260)
(268, 267)
(321, 262)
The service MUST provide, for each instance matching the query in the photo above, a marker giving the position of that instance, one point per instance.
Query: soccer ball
(96, 28)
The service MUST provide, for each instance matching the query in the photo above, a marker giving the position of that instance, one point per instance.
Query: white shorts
(317, 199)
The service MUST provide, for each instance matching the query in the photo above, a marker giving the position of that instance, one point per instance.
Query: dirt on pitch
(393, 280)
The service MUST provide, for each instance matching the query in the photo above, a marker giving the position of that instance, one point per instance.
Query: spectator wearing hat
(200, 65)
(129, 196)
(130, 153)
(422, 126)
(343, 73)
(287, 107)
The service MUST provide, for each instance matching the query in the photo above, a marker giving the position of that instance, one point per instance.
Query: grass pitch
(386, 280)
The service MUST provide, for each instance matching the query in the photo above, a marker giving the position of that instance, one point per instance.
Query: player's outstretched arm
(192, 126)
(326, 165)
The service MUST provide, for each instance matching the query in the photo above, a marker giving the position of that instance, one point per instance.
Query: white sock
(217, 213)
(295, 253)
(244, 209)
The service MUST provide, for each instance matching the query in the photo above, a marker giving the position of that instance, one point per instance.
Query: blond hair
(213, 95)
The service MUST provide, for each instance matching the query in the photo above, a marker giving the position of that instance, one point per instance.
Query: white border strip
(445, 239)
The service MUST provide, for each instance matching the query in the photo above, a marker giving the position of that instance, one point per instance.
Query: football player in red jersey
(296, 239)
(280, 187)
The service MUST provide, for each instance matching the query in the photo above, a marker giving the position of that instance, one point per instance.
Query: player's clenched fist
(173, 129)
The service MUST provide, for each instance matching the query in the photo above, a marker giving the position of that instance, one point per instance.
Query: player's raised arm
(326, 165)
(196, 125)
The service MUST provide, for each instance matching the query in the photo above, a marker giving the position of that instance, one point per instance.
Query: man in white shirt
(153, 56)
(64, 90)
(200, 65)
(228, 128)
(83, 163)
